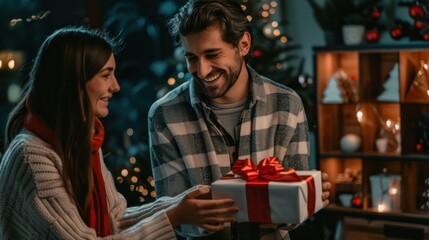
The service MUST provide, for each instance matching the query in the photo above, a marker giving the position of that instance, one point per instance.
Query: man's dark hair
(198, 15)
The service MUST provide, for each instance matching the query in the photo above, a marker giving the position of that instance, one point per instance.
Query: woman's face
(101, 88)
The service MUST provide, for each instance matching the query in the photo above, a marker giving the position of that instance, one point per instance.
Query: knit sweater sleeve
(34, 202)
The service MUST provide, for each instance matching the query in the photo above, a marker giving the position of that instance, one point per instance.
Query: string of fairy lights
(13, 60)
(39, 16)
(135, 184)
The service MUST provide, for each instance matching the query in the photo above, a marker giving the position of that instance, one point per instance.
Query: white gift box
(283, 202)
(386, 191)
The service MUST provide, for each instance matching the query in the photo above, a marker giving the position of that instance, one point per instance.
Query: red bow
(267, 169)
(257, 195)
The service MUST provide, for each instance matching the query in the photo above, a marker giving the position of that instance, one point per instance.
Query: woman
(53, 181)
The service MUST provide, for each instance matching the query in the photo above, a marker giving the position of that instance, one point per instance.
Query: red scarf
(98, 215)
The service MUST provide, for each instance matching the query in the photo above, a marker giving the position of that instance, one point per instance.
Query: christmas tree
(274, 54)
(146, 68)
(391, 86)
(332, 92)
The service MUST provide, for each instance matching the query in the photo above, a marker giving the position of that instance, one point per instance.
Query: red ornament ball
(372, 35)
(419, 24)
(396, 33)
(257, 53)
(375, 13)
(356, 201)
(419, 147)
(416, 10)
(426, 37)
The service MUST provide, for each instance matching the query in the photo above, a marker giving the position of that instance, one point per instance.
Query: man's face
(216, 66)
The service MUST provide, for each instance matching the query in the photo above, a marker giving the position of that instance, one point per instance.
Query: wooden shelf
(367, 69)
(375, 156)
(372, 214)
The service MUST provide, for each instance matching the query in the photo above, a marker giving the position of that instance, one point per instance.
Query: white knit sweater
(34, 203)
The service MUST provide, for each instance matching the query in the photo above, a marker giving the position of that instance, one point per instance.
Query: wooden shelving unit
(370, 67)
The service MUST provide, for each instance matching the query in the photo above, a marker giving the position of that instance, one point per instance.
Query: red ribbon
(258, 177)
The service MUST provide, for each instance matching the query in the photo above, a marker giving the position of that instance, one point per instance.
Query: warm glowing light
(274, 24)
(276, 32)
(393, 191)
(132, 187)
(141, 199)
(272, 11)
(279, 65)
(133, 160)
(171, 81)
(249, 18)
(145, 192)
(244, 7)
(13, 22)
(397, 126)
(119, 179)
(267, 31)
(283, 39)
(265, 6)
(265, 14)
(427, 92)
(134, 179)
(389, 123)
(359, 116)
(1, 63)
(130, 132)
(124, 172)
(381, 207)
(136, 169)
(273, 4)
(153, 194)
(425, 66)
(11, 64)
(34, 17)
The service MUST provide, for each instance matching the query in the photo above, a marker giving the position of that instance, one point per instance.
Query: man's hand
(326, 187)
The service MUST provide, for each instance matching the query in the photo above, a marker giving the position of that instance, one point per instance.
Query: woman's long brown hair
(56, 91)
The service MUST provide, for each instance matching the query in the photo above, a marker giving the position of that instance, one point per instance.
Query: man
(226, 111)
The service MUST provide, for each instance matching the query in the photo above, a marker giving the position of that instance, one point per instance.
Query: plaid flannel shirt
(188, 149)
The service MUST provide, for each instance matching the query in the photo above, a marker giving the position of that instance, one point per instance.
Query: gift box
(386, 191)
(273, 195)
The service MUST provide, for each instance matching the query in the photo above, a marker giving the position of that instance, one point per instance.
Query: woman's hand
(197, 208)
